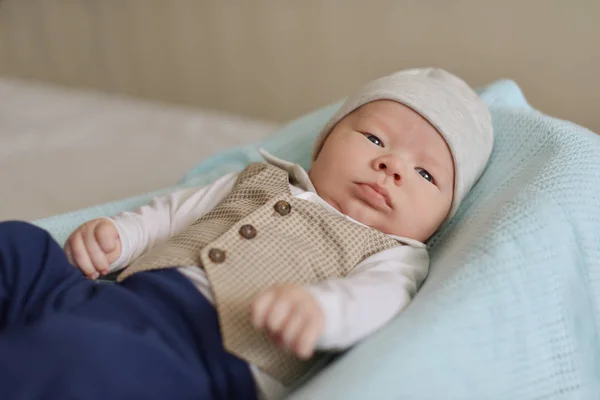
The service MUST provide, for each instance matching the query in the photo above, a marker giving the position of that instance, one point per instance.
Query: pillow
(511, 306)
(510, 309)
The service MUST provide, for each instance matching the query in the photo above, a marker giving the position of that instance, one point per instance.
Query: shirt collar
(299, 177)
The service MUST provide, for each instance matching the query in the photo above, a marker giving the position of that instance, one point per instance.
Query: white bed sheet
(62, 149)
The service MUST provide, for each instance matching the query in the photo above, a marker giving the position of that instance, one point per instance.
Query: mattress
(63, 149)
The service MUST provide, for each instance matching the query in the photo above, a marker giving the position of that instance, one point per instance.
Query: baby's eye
(374, 139)
(425, 174)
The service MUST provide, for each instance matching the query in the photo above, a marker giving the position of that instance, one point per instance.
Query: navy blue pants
(154, 336)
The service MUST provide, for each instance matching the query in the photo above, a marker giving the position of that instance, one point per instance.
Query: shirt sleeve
(373, 294)
(165, 216)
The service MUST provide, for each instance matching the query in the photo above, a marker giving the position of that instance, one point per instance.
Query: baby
(240, 288)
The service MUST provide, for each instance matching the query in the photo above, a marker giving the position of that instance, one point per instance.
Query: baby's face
(385, 166)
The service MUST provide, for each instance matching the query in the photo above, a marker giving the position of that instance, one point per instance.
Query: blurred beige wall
(279, 59)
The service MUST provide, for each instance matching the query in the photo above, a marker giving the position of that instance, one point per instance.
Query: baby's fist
(93, 247)
(291, 317)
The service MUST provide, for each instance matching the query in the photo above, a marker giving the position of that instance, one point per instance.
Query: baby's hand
(93, 247)
(291, 317)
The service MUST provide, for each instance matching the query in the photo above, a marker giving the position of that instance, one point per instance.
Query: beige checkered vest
(258, 236)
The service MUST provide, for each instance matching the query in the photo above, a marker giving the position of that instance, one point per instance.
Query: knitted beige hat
(448, 103)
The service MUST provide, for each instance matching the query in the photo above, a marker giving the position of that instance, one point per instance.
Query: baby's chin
(371, 219)
(366, 216)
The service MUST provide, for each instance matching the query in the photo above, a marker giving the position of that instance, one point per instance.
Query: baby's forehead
(396, 119)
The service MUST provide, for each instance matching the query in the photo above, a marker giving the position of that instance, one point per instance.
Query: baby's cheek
(346, 208)
(394, 224)
(367, 216)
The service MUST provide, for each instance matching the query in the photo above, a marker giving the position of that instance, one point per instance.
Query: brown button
(248, 231)
(216, 255)
(283, 207)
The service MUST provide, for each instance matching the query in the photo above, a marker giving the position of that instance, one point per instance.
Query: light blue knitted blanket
(510, 309)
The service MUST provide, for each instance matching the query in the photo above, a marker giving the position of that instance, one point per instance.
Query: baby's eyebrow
(369, 118)
(432, 161)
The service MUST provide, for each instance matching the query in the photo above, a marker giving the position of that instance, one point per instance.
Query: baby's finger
(107, 236)
(278, 314)
(94, 251)
(260, 308)
(81, 258)
(115, 254)
(293, 326)
(69, 251)
(307, 339)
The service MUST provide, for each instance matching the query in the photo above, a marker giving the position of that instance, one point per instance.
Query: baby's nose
(391, 166)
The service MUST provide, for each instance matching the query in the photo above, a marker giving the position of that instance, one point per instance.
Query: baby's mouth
(374, 195)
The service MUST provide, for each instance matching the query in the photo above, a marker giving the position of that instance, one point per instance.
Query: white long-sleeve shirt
(355, 306)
